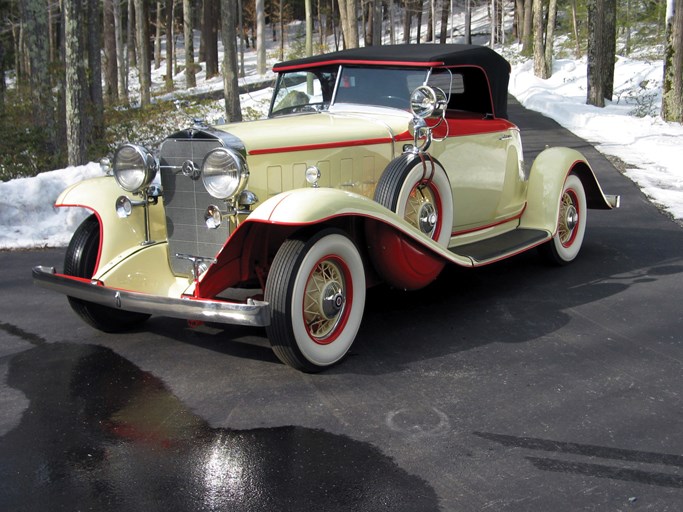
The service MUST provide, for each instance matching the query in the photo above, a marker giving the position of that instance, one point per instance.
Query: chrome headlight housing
(224, 173)
(134, 167)
(428, 102)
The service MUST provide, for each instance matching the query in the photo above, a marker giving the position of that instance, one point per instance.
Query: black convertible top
(497, 69)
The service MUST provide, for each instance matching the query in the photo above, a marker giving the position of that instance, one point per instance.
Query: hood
(318, 130)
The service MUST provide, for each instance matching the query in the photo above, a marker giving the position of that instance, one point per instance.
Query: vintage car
(378, 164)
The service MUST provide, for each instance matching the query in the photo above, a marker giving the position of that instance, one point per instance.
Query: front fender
(260, 234)
(546, 181)
(117, 236)
(309, 206)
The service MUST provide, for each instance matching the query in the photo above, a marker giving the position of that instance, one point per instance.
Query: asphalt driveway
(517, 386)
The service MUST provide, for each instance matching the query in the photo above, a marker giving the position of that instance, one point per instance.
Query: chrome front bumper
(253, 313)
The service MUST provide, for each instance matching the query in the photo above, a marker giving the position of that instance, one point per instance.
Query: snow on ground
(627, 127)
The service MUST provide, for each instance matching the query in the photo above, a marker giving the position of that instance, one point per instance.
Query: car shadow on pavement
(513, 301)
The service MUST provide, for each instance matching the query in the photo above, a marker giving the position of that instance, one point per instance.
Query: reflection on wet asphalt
(101, 434)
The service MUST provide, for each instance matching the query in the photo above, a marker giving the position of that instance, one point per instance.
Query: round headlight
(428, 102)
(134, 167)
(224, 173)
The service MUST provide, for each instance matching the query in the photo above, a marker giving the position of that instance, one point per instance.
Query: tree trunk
(419, 6)
(494, 22)
(445, 12)
(130, 35)
(468, 21)
(170, 40)
(240, 24)
(309, 27)
(120, 51)
(260, 37)
(75, 82)
(601, 48)
(233, 112)
(35, 22)
(190, 77)
(142, 41)
(347, 12)
(3, 84)
(407, 19)
(157, 35)
(111, 69)
(94, 76)
(210, 24)
(392, 22)
(550, 38)
(672, 97)
(281, 21)
(528, 33)
(377, 23)
(539, 53)
(575, 28)
(610, 35)
(518, 24)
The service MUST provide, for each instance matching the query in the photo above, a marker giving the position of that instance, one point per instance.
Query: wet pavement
(512, 387)
(101, 434)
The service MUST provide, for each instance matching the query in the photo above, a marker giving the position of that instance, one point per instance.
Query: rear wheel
(316, 291)
(571, 224)
(79, 261)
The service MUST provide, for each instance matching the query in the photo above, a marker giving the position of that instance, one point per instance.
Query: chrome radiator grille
(185, 202)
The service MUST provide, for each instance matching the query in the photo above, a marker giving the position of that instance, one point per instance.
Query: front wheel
(316, 291)
(564, 247)
(80, 261)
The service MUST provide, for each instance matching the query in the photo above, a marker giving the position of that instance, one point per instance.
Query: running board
(502, 246)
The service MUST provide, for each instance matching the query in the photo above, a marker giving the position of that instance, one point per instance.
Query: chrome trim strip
(254, 313)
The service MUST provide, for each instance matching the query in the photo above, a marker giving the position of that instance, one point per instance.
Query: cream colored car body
(490, 197)
(477, 203)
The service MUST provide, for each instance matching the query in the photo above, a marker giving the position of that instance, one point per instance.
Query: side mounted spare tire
(415, 187)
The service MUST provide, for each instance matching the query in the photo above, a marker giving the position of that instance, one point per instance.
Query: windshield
(313, 90)
(304, 91)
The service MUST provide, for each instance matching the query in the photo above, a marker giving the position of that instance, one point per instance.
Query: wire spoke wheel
(422, 209)
(569, 218)
(316, 291)
(565, 245)
(325, 299)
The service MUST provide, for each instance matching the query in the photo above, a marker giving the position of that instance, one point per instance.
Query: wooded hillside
(66, 65)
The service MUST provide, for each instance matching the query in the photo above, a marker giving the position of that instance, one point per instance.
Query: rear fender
(546, 181)
(117, 236)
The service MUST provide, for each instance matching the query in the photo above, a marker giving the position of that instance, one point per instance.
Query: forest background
(75, 75)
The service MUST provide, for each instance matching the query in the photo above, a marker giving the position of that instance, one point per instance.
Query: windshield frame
(331, 97)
